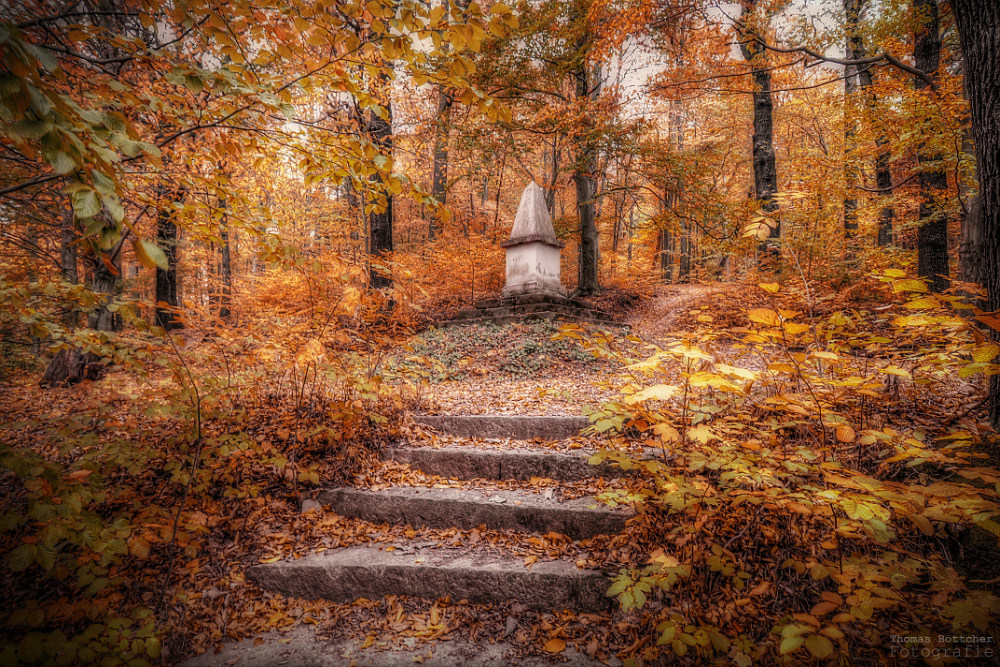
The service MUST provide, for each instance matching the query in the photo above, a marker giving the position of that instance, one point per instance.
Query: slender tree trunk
(226, 265)
(971, 267)
(666, 256)
(587, 83)
(166, 280)
(550, 189)
(106, 273)
(68, 258)
(883, 176)
(979, 29)
(380, 221)
(67, 247)
(765, 174)
(631, 228)
(932, 235)
(852, 8)
(440, 170)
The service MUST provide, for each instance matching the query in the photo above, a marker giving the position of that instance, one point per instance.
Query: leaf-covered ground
(805, 502)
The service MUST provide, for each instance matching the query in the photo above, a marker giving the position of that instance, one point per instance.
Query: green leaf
(9, 84)
(789, 644)
(114, 206)
(150, 255)
(45, 57)
(86, 203)
(60, 162)
(102, 182)
(22, 557)
(31, 129)
(819, 646)
(617, 588)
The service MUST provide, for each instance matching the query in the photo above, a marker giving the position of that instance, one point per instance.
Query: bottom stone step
(347, 574)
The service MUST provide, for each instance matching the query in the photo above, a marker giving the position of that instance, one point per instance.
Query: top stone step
(515, 427)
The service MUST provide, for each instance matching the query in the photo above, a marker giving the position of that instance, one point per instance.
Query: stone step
(478, 463)
(515, 427)
(344, 575)
(467, 508)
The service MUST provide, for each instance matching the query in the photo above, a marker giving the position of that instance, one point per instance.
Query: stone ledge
(347, 574)
(520, 511)
(515, 427)
(522, 464)
(521, 307)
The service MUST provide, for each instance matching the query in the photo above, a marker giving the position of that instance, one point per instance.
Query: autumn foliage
(230, 231)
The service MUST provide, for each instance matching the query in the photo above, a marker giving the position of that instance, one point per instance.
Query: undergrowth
(815, 499)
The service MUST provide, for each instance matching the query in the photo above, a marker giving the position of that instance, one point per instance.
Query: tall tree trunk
(631, 228)
(765, 173)
(971, 265)
(380, 221)
(979, 29)
(932, 235)
(883, 176)
(852, 8)
(588, 84)
(67, 247)
(166, 280)
(440, 170)
(553, 178)
(666, 257)
(107, 270)
(68, 258)
(226, 264)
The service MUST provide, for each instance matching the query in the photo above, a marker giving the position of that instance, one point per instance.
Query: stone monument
(533, 288)
(533, 252)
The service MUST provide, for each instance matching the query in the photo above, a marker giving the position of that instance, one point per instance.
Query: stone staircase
(436, 571)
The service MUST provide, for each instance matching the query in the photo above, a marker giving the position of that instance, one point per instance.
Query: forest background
(227, 219)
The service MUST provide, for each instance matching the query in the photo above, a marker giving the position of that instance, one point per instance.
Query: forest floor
(202, 596)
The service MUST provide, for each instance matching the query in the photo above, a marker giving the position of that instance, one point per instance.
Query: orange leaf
(555, 646)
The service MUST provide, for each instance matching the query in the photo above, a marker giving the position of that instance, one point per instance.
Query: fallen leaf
(555, 646)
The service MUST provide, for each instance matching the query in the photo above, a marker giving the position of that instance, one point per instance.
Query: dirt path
(655, 319)
(562, 388)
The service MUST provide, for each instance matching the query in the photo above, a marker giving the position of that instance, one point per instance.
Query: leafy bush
(794, 513)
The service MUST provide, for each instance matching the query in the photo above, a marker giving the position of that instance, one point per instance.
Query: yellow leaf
(555, 646)
(770, 287)
(764, 316)
(529, 561)
(795, 328)
(272, 559)
(660, 392)
(922, 303)
(985, 353)
(909, 286)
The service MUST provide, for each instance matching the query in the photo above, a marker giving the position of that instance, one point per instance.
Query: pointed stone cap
(532, 222)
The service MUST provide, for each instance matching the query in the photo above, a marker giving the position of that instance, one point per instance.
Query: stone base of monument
(523, 307)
